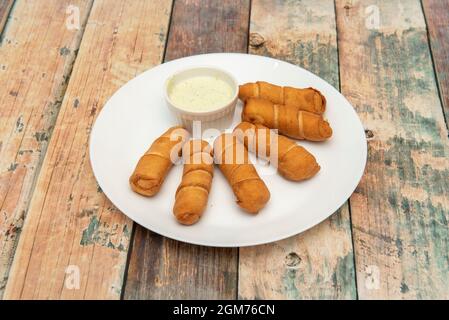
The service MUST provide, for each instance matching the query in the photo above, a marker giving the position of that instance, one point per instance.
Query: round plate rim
(245, 243)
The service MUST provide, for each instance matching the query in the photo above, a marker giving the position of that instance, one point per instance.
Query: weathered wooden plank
(5, 7)
(160, 267)
(71, 228)
(400, 210)
(208, 26)
(317, 263)
(437, 17)
(36, 58)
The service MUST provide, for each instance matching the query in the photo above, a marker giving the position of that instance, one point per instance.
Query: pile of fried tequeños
(293, 112)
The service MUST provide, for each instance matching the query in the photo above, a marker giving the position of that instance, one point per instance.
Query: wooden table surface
(61, 238)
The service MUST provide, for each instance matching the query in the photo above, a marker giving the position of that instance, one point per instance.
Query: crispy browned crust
(288, 120)
(292, 161)
(232, 158)
(193, 191)
(154, 165)
(306, 99)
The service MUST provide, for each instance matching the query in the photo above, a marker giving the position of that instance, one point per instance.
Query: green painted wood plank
(400, 210)
(437, 18)
(317, 264)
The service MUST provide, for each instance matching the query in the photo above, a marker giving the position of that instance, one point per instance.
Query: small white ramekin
(219, 118)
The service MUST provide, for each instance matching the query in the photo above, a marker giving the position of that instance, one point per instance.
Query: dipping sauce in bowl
(201, 93)
(206, 96)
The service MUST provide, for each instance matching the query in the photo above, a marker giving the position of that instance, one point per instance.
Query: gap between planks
(436, 14)
(6, 8)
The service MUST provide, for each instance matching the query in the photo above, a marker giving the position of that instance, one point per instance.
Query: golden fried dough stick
(154, 165)
(193, 191)
(292, 161)
(288, 120)
(307, 99)
(232, 158)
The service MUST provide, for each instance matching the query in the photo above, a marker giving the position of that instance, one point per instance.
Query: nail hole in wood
(292, 260)
(256, 40)
(369, 134)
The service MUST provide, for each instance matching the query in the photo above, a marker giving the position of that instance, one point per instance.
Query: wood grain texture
(160, 267)
(400, 210)
(36, 58)
(317, 264)
(437, 17)
(70, 225)
(205, 26)
(5, 8)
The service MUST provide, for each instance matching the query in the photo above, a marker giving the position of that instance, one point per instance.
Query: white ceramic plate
(136, 115)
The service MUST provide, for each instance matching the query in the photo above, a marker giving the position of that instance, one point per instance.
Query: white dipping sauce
(202, 93)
